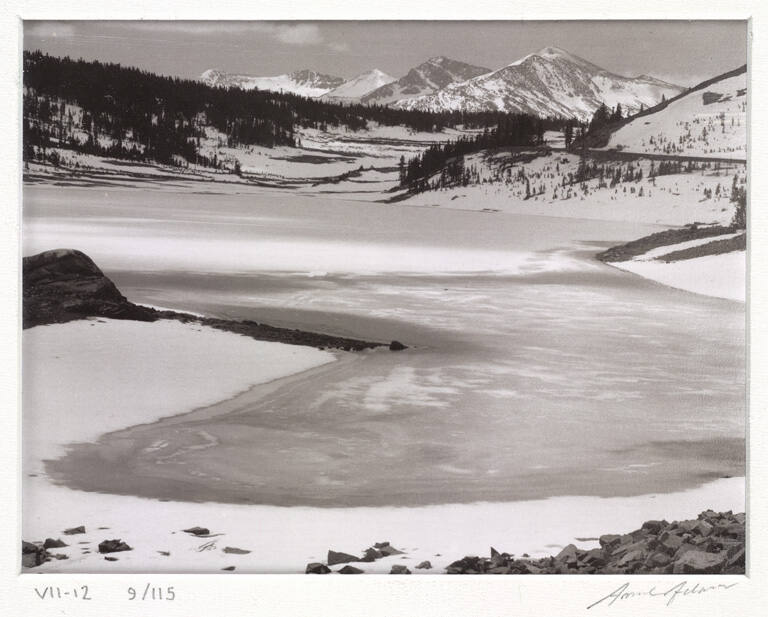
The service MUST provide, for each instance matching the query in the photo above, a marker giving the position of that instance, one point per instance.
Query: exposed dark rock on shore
(51, 543)
(65, 285)
(33, 555)
(625, 252)
(75, 530)
(335, 557)
(712, 544)
(113, 546)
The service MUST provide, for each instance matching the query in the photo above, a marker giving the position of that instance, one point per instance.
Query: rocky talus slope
(714, 543)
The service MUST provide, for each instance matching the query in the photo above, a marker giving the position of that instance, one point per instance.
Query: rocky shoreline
(694, 231)
(65, 285)
(714, 543)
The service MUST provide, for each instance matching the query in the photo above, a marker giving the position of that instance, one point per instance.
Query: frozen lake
(534, 370)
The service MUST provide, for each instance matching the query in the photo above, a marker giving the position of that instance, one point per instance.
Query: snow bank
(719, 276)
(86, 378)
(711, 122)
(284, 540)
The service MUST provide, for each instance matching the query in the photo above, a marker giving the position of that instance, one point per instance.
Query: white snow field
(720, 276)
(89, 377)
(711, 122)
(675, 199)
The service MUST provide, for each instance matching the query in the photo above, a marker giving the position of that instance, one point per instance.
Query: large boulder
(336, 557)
(198, 531)
(33, 555)
(317, 568)
(350, 570)
(699, 562)
(113, 546)
(398, 569)
(65, 284)
(72, 531)
(51, 543)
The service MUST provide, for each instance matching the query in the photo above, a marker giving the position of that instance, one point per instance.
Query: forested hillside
(448, 158)
(108, 109)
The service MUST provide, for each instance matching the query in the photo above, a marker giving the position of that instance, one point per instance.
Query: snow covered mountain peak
(427, 78)
(359, 86)
(304, 82)
(550, 82)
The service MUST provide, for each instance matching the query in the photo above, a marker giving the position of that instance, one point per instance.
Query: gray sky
(682, 52)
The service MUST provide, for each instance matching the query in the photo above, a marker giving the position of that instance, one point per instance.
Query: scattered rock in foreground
(350, 570)
(317, 568)
(712, 544)
(229, 569)
(335, 557)
(232, 550)
(424, 565)
(76, 530)
(33, 555)
(198, 531)
(397, 569)
(396, 346)
(113, 546)
(51, 543)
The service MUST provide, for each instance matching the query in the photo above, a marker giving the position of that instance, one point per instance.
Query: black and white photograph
(384, 297)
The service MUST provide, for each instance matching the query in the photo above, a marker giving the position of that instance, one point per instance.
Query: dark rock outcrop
(396, 346)
(388, 550)
(712, 544)
(51, 543)
(317, 568)
(198, 531)
(64, 284)
(350, 570)
(371, 554)
(398, 569)
(232, 550)
(424, 565)
(113, 546)
(335, 557)
(33, 555)
(76, 530)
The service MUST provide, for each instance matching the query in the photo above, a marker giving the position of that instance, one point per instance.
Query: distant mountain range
(550, 82)
(357, 87)
(425, 79)
(306, 83)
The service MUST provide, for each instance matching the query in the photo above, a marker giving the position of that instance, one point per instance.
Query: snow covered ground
(134, 373)
(720, 276)
(711, 122)
(674, 199)
(117, 366)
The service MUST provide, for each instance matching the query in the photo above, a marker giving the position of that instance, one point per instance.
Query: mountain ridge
(550, 82)
(427, 78)
(304, 82)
